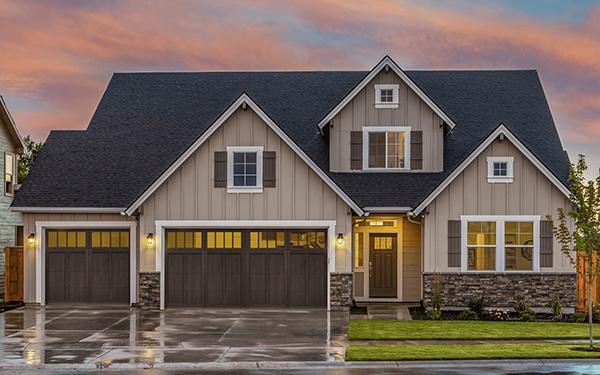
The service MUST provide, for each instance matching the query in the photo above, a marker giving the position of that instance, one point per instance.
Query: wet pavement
(105, 335)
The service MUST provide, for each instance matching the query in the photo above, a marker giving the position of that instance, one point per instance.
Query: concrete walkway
(385, 311)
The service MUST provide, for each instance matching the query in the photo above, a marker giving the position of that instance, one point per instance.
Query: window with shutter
(356, 150)
(454, 243)
(269, 170)
(546, 243)
(220, 169)
(416, 149)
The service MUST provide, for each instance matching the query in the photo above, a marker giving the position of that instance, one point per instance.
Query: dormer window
(386, 148)
(500, 169)
(386, 96)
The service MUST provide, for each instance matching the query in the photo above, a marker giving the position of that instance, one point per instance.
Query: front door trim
(40, 251)
(161, 225)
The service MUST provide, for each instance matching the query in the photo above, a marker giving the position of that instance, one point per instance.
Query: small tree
(582, 243)
(26, 160)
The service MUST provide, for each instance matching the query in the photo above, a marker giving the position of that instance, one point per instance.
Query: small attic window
(500, 169)
(386, 96)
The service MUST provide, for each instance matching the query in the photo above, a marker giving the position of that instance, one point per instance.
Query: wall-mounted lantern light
(31, 238)
(150, 239)
(340, 239)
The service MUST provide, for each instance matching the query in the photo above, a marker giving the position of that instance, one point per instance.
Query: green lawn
(462, 330)
(467, 351)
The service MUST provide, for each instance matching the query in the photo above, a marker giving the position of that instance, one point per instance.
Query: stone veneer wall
(502, 290)
(149, 290)
(341, 290)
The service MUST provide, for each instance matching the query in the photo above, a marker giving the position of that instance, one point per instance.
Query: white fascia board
(386, 61)
(68, 209)
(390, 210)
(501, 129)
(12, 124)
(244, 98)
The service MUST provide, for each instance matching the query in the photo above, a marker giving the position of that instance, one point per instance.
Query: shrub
(434, 314)
(556, 309)
(468, 314)
(498, 315)
(436, 298)
(477, 305)
(596, 313)
(579, 317)
(524, 312)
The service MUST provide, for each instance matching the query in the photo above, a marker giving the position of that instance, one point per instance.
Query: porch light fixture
(150, 239)
(31, 238)
(340, 239)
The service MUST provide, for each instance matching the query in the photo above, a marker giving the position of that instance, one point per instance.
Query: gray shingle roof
(145, 121)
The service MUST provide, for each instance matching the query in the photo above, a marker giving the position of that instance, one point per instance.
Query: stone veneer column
(502, 289)
(149, 290)
(341, 290)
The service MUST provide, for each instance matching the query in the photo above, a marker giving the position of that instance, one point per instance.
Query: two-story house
(302, 189)
(11, 223)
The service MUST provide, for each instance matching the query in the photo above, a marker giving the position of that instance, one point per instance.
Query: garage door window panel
(267, 240)
(224, 240)
(307, 240)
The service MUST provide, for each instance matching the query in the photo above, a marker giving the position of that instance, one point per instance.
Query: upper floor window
(500, 169)
(244, 169)
(386, 96)
(386, 147)
(9, 173)
(501, 243)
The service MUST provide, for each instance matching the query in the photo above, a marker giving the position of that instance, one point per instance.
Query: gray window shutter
(546, 243)
(416, 149)
(454, 243)
(220, 169)
(356, 150)
(269, 169)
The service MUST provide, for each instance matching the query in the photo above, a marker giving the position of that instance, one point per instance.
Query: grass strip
(462, 330)
(416, 352)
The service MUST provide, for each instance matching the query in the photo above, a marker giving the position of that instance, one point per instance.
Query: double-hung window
(386, 147)
(500, 243)
(244, 169)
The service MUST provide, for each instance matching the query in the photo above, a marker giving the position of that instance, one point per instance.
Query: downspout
(409, 215)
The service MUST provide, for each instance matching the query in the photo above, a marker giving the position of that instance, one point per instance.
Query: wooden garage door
(87, 266)
(246, 267)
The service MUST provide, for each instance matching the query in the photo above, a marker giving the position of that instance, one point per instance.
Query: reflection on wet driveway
(103, 335)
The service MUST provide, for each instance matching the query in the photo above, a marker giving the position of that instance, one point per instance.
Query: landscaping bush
(596, 313)
(498, 315)
(557, 309)
(579, 317)
(436, 302)
(524, 312)
(477, 305)
(434, 314)
(468, 314)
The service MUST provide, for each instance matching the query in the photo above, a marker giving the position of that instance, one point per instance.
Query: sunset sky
(58, 56)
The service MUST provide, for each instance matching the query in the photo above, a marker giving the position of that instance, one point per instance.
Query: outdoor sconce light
(31, 238)
(150, 239)
(340, 239)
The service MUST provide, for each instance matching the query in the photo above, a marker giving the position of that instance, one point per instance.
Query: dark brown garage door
(87, 266)
(246, 268)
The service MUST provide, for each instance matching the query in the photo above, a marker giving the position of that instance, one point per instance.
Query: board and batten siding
(531, 193)
(8, 219)
(361, 111)
(29, 222)
(299, 193)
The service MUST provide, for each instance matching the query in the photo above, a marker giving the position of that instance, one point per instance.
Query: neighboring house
(302, 189)
(11, 223)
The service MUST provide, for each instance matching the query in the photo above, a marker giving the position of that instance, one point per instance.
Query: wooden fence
(582, 285)
(13, 274)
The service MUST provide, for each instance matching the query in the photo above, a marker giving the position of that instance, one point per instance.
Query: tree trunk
(590, 299)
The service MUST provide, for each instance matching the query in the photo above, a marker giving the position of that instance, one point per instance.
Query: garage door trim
(161, 225)
(40, 251)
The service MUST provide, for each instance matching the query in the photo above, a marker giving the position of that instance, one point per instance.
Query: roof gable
(386, 63)
(7, 119)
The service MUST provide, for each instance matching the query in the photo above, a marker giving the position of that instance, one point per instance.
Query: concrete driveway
(103, 335)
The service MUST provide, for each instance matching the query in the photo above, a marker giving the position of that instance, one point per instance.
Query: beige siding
(411, 261)
(300, 194)
(531, 193)
(412, 111)
(29, 220)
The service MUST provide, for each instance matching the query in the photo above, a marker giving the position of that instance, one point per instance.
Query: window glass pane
(387, 95)
(124, 239)
(189, 240)
(250, 157)
(71, 239)
(8, 166)
(500, 169)
(376, 150)
(481, 258)
(280, 239)
(238, 181)
(395, 147)
(180, 240)
(219, 242)
(197, 240)
(481, 233)
(62, 239)
(170, 240)
(114, 239)
(519, 258)
(358, 249)
(518, 241)
(228, 240)
(210, 240)
(250, 181)
(80, 239)
(254, 240)
(238, 157)
(237, 240)
(105, 239)
(52, 239)
(95, 239)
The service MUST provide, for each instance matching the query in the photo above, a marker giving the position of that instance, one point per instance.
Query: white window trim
(509, 178)
(500, 246)
(259, 169)
(395, 101)
(14, 173)
(379, 129)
